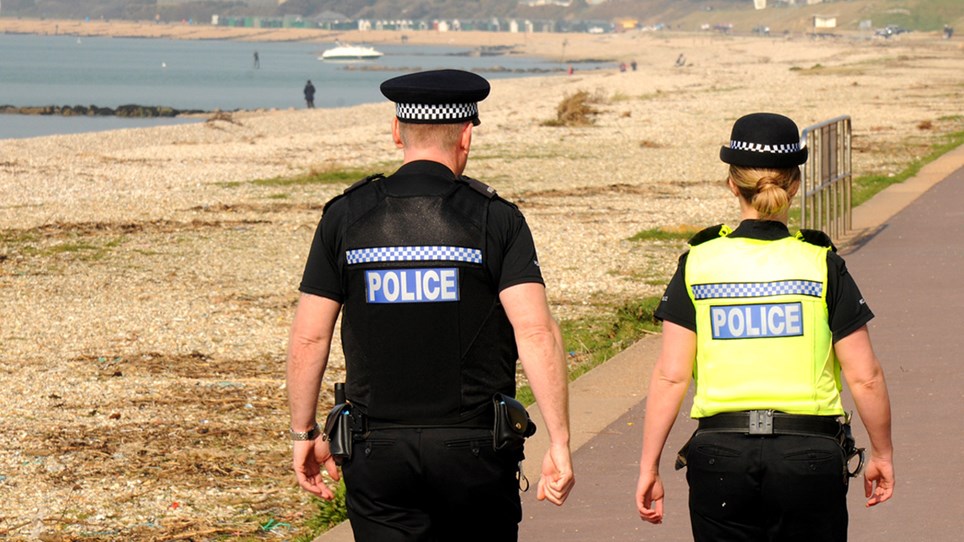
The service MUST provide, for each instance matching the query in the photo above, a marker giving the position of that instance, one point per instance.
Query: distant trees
(74, 9)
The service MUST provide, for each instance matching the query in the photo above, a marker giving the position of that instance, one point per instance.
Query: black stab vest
(426, 339)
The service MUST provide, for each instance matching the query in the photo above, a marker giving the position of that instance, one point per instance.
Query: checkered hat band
(757, 289)
(783, 148)
(413, 254)
(438, 112)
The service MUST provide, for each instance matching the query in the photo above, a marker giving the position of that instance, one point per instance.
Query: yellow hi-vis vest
(762, 330)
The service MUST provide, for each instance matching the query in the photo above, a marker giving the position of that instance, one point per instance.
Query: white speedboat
(350, 52)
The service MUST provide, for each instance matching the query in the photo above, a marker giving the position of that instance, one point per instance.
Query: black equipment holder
(512, 425)
(338, 427)
(682, 453)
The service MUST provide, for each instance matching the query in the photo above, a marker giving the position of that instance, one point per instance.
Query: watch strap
(311, 434)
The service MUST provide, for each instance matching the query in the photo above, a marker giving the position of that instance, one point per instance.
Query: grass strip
(591, 341)
(867, 186)
(334, 176)
(330, 513)
(666, 233)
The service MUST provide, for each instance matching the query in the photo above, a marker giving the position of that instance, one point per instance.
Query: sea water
(206, 75)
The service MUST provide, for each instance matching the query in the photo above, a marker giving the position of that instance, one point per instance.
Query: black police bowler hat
(437, 96)
(764, 140)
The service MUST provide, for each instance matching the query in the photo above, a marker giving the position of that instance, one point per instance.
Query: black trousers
(432, 485)
(784, 488)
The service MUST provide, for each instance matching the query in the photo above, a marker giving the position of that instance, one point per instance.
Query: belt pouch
(683, 454)
(338, 432)
(512, 424)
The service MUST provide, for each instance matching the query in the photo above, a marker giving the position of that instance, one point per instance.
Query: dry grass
(575, 109)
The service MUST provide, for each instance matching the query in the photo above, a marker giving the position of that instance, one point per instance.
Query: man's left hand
(557, 477)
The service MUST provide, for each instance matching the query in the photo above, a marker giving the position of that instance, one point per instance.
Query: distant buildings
(336, 21)
(563, 3)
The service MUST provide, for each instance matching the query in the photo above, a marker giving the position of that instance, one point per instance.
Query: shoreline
(531, 44)
(564, 47)
(150, 103)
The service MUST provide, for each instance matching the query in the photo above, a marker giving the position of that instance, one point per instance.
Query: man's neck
(433, 155)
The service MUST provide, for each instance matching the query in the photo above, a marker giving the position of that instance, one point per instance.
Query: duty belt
(482, 420)
(768, 422)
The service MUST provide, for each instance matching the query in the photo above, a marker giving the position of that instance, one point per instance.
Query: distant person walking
(257, 61)
(310, 95)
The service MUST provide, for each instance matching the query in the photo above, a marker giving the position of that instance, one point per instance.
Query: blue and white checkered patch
(783, 148)
(758, 289)
(414, 254)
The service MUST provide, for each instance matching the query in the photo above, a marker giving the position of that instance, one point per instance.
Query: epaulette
(708, 234)
(354, 186)
(478, 186)
(816, 237)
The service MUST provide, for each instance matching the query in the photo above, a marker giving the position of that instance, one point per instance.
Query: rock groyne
(128, 110)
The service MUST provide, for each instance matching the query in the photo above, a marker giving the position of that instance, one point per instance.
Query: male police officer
(442, 293)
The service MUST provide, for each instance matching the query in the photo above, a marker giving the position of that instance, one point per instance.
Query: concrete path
(907, 255)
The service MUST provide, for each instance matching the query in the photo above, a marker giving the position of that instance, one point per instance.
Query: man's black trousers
(432, 485)
(784, 488)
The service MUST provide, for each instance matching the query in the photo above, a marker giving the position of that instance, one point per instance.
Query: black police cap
(764, 140)
(437, 96)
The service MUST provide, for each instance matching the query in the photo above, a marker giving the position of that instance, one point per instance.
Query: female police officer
(765, 322)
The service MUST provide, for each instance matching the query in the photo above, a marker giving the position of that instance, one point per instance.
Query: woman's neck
(747, 212)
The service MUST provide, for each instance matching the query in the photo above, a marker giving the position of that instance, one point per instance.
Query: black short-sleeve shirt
(846, 307)
(511, 257)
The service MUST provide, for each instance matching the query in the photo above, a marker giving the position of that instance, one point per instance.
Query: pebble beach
(148, 276)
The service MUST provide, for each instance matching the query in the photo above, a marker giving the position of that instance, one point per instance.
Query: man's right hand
(308, 456)
(557, 477)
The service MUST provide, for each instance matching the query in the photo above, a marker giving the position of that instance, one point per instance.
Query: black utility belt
(769, 422)
(477, 422)
(505, 417)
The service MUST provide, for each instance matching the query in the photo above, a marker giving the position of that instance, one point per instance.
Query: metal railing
(826, 186)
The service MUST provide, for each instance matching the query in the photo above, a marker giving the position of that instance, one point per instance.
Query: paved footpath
(907, 255)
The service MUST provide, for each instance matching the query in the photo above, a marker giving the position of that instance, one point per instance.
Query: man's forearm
(308, 346)
(539, 342)
(544, 363)
(305, 371)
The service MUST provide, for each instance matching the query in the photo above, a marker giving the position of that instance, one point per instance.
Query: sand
(148, 276)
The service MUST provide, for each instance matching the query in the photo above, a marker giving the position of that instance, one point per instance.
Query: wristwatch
(311, 434)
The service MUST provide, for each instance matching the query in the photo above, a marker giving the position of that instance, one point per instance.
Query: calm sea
(207, 75)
